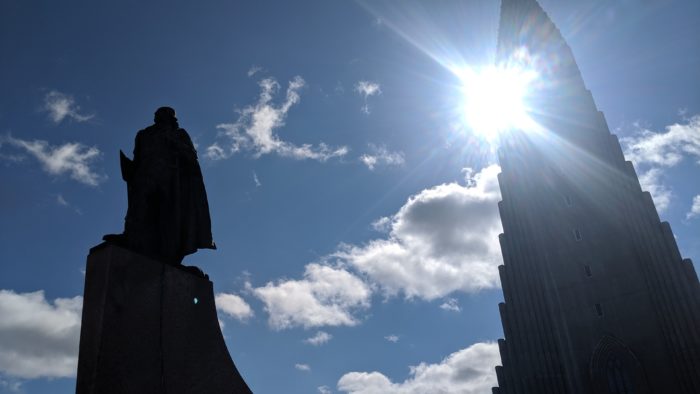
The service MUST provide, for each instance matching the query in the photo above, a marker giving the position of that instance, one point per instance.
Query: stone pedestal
(148, 327)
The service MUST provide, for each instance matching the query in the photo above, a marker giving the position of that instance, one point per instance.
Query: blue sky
(354, 209)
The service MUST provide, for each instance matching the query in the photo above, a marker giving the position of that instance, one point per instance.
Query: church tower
(597, 296)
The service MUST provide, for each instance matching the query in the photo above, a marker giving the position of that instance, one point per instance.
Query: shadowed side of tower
(597, 296)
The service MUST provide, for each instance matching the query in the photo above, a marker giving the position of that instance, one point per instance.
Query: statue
(168, 213)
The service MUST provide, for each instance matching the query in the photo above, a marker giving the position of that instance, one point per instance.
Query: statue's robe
(168, 214)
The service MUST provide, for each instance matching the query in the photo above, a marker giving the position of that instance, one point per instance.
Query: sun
(494, 99)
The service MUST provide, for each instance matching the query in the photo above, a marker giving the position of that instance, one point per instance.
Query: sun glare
(494, 99)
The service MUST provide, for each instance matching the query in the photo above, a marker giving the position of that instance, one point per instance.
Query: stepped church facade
(598, 298)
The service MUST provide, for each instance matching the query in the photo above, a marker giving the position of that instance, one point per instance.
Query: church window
(599, 309)
(587, 268)
(577, 235)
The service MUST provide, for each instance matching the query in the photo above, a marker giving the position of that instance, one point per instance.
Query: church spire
(528, 38)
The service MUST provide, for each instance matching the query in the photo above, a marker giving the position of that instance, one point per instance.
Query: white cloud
(654, 152)
(382, 225)
(651, 181)
(443, 239)
(61, 106)
(255, 128)
(392, 338)
(324, 390)
(379, 155)
(451, 304)
(256, 180)
(694, 209)
(38, 338)
(71, 158)
(61, 201)
(302, 367)
(254, 69)
(233, 306)
(367, 89)
(467, 371)
(665, 149)
(320, 338)
(326, 296)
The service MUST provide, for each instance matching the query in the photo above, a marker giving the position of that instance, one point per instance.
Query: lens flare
(494, 99)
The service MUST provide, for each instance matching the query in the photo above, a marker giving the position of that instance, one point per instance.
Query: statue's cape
(127, 166)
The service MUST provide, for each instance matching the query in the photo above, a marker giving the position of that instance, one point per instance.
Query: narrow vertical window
(587, 268)
(577, 235)
(599, 309)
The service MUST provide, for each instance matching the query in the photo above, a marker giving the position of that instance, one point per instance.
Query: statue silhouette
(168, 213)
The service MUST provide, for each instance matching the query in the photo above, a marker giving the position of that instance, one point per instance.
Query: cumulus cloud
(654, 152)
(467, 371)
(367, 89)
(451, 304)
(303, 367)
(319, 339)
(694, 209)
(233, 306)
(255, 128)
(443, 239)
(392, 338)
(379, 155)
(61, 106)
(72, 158)
(38, 338)
(326, 296)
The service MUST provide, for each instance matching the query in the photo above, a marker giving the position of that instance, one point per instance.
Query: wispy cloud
(256, 180)
(665, 149)
(255, 128)
(367, 89)
(653, 153)
(467, 371)
(694, 209)
(326, 296)
(233, 306)
(72, 158)
(392, 338)
(379, 155)
(303, 367)
(254, 69)
(60, 200)
(61, 106)
(320, 338)
(324, 390)
(38, 338)
(451, 304)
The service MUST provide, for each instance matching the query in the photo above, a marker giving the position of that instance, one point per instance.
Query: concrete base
(148, 327)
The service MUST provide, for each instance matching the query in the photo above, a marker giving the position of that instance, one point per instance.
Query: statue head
(165, 116)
